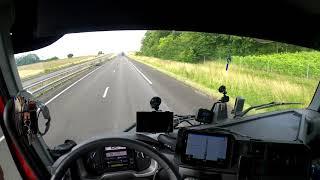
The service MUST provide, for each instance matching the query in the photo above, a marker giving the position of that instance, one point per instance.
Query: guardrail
(52, 82)
(48, 78)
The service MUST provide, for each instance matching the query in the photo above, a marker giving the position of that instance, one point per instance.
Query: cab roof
(39, 23)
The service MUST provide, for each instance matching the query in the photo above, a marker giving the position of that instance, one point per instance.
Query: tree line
(27, 59)
(196, 46)
(34, 58)
(31, 59)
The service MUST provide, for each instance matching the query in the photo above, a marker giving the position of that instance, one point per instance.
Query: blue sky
(91, 42)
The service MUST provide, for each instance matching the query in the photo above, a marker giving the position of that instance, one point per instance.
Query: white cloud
(89, 43)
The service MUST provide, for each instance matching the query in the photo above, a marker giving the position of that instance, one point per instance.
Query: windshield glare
(95, 82)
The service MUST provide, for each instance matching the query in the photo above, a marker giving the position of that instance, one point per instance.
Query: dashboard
(205, 153)
(110, 159)
(239, 150)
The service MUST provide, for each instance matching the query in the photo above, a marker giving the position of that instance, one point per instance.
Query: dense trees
(52, 58)
(27, 59)
(195, 46)
(70, 55)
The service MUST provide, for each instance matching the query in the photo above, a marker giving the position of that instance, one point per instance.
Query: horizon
(90, 43)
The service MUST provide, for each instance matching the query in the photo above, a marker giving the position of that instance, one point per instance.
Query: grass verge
(255, 86)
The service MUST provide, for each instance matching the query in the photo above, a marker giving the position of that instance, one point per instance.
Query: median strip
(44, 85)
(67, 77)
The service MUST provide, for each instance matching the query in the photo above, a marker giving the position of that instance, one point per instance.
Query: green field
(301, 64)
(249, 79)
(36, 69)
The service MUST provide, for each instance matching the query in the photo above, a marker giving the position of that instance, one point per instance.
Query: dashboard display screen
(116, 154)
(154, 122)
(112, 148)
(110, 159)
(207, 147)
(117, 157)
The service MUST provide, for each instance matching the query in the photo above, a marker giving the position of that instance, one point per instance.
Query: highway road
(106, 101)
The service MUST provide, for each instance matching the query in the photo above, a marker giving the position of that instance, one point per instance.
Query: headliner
(39, 23)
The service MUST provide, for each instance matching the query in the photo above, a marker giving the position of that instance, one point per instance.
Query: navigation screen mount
(206, 149)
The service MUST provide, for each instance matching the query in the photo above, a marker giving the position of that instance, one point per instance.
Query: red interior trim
(28, 172)
(1, 106)
(25, 166)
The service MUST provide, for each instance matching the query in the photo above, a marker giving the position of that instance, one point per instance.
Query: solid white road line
(145, 77)
(1, 138)
(105, 93)
(71, 86)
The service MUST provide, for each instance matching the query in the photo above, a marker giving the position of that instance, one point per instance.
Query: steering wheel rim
(63, 163)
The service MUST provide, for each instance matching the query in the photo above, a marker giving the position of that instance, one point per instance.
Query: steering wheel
(64, 162)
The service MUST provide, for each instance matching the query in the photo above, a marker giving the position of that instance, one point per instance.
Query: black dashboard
(111, 159)
(276, 145)
(203, 154)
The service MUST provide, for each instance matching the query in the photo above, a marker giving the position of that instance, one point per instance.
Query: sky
(90, 43)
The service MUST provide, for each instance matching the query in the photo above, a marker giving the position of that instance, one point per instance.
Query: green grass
(300, 64)
(255, 85)
(32, 70)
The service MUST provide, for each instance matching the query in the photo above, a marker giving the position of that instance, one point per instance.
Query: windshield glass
(95, 82)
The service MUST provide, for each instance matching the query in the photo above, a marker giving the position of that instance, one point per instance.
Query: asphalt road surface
(106, 101)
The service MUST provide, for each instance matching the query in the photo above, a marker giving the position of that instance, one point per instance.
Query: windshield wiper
(268, 105)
